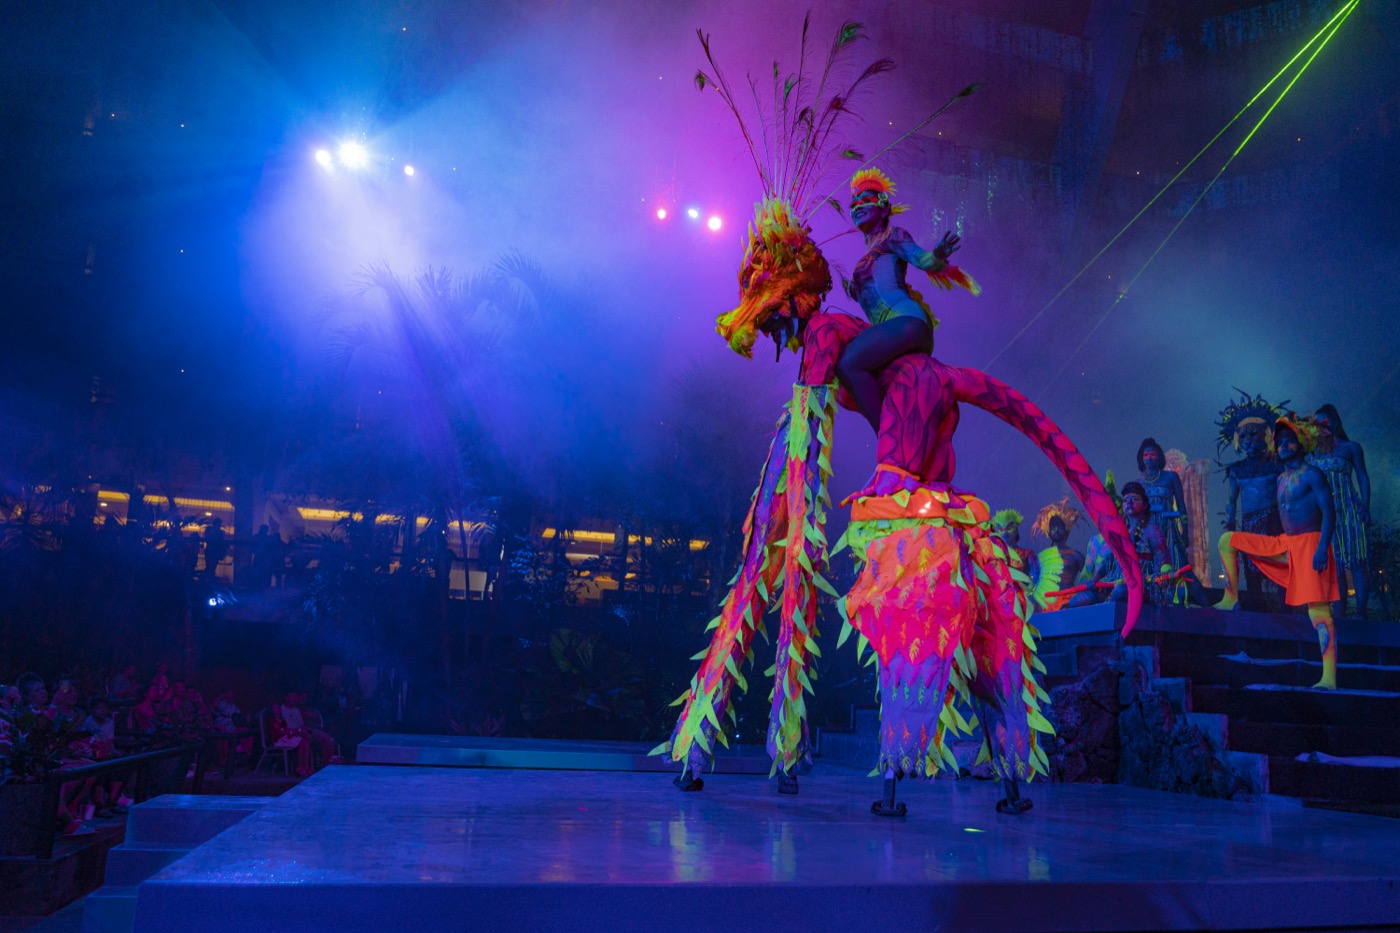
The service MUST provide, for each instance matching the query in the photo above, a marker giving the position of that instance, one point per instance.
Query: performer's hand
(947, 246)
(1320, 560)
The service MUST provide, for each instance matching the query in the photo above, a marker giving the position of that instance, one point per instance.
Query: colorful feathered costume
(936, 598)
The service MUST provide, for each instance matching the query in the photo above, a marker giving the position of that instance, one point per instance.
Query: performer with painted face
(1343, 462)
(1247, 426)
(901, 321)
(1300, 559)
(1166, 498)
(1055, 522)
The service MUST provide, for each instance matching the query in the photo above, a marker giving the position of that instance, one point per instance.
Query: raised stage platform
(391, 848)
(1369, 640)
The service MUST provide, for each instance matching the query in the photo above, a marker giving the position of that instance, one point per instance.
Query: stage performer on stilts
(1300, 559)
(936, 597)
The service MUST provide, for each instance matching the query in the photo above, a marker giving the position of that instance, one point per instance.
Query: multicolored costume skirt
(946, 615)
(1349, 538)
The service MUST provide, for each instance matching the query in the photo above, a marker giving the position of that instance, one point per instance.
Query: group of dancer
(944, 594)
(1296, 525)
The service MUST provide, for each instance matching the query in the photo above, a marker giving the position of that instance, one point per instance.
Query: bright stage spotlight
(661, 213)
(714, 223)
(693, 213)
(323, 158)
(353, 155)
(408, 170)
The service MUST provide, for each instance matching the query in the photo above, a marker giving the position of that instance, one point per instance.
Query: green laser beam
(1174, 179)
(1200, 197)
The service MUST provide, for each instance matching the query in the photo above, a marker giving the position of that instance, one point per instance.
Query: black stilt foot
(687, 781)
(886, 806)
(787, 782)
(1013, 802)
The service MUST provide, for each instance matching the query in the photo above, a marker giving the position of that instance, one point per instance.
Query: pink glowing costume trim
(938, 602)
(784, 549)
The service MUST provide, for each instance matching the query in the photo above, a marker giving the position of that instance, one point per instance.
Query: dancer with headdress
(1343, 462)
(1054, 523)
(1247, 425)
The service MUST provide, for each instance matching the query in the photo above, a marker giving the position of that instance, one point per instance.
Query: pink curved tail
(976, 388)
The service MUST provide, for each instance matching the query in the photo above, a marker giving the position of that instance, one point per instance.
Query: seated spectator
(283, 736)
(292, 712)
(125, 686)
(161, 681)
(34, 695)
(65, 704)
(100, 722)
(150, 712)
(225, 712)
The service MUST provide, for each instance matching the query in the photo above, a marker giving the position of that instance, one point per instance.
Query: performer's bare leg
(1319, 613)
(1321, 616)
(1231, 559)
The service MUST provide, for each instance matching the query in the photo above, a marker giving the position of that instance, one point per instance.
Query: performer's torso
(878, 281)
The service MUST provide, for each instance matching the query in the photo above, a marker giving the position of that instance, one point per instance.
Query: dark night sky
(167, 230)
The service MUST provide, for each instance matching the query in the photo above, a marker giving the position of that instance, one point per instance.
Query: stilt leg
(886, 805)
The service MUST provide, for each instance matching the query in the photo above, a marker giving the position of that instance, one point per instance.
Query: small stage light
(353, 155)
(693, 213)
(714, 223)
(408, 170)
(661, 213)
(323, 158)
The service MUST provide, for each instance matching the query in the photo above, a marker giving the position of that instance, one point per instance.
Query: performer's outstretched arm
(934, 260)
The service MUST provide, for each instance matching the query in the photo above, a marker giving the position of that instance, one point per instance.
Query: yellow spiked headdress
(1061, 510)
(872, 180)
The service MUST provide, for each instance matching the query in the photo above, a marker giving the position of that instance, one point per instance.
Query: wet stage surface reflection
(382, 848)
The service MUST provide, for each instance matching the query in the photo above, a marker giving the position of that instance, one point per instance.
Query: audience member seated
(293, 714)
(150, 713)
(65, 704)
(125, 686)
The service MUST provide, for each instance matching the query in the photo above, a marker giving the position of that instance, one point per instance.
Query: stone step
(1060, 664)
(130, 864)
(1301, 645)
(1240, 670)
(1214, 727)
(1289, 739)
(1328, 781)
(186, 819)
(1270, 703)
(110, 910)
(1253, 767)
